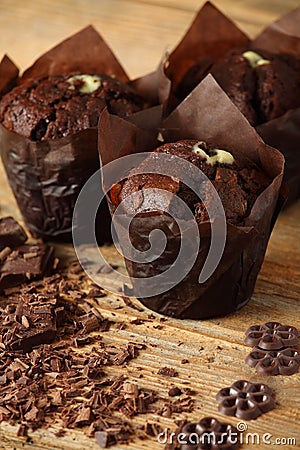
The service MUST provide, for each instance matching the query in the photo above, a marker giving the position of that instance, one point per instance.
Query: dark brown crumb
(130, 304)
(137, 321)
(189, 391)
(184, 404)
(168, 372)
(121, 326)
(174, 392)
(96, 292)
(158, 327)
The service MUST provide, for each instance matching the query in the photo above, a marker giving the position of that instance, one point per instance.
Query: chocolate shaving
(22, 431)
(184, 404)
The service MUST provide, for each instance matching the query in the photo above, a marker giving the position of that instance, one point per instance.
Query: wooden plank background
(139, 32)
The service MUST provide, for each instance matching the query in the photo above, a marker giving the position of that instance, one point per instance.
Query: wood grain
(139, 31)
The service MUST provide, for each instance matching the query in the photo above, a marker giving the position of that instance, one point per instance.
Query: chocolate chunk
(274, 362)
(245, 400)
(84, 417)
(30, 325)
(80, 341)
(25, 263)
(22, 431)
(96, 292)
(271, 336)
(11, 233)
(102, 438)
(137, 321)
(90, 322)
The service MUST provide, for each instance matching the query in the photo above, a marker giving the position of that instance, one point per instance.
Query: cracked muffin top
(262, 85)
(237, 185)
(60, 105)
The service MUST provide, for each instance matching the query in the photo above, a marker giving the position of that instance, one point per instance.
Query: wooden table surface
(139, 31)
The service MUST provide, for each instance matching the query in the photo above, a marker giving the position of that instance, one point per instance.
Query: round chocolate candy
(271, 336)
(245, 400)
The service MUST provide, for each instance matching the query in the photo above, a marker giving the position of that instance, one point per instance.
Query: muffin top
(262, 85)
(60, 105)
(238, 186)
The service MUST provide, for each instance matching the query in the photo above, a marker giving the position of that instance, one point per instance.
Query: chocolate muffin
(61, 105)
(262, 85)
(150, 200)
(238, 186)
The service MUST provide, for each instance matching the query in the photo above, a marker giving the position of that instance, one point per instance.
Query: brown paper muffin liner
(209, 37)
(9, 73)
(208, 115)
(47, 176)
(283, 133)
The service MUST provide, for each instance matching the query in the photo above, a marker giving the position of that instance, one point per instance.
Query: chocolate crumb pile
(38, 381)
(54, 360)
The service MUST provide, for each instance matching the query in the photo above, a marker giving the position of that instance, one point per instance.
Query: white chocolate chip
(220, 156)
(160, 137)
(200, 151)
(255, 59)
(90, 83)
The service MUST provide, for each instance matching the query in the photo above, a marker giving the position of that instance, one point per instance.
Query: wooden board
(214, 348)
